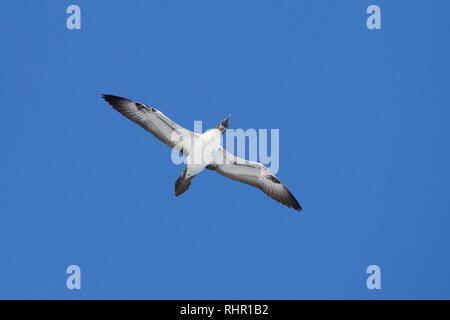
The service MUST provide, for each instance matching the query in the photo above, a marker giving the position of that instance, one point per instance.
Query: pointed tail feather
(182, 183)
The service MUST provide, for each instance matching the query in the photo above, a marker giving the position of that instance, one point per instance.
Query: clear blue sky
(364, 146)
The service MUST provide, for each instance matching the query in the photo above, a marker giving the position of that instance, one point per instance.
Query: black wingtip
(294, 203)
(297, 207)
(111, 99)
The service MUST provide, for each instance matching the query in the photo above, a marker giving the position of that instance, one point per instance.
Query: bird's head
(224, 124)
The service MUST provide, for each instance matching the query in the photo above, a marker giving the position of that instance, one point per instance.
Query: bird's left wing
(254, 174)
(155, 122)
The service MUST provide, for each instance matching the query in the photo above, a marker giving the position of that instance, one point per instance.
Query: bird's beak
(226, 122)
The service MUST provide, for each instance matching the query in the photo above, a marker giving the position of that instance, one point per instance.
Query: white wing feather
(155, 122)
(254, 174)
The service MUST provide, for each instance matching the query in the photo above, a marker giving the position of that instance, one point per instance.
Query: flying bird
(203, 151)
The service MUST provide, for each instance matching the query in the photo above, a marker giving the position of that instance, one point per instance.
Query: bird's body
(203, 151)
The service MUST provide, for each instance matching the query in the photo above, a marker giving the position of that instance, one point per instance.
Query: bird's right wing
(155, 122)
(254, 174)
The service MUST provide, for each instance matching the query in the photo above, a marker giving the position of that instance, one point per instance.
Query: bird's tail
(182, 183)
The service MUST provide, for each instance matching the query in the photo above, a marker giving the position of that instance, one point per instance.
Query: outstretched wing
(254, 174)
(155, 122)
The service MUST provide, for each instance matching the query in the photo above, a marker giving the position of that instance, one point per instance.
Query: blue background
(364, 146)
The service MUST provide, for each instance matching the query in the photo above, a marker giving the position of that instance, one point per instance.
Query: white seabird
(203, 151)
